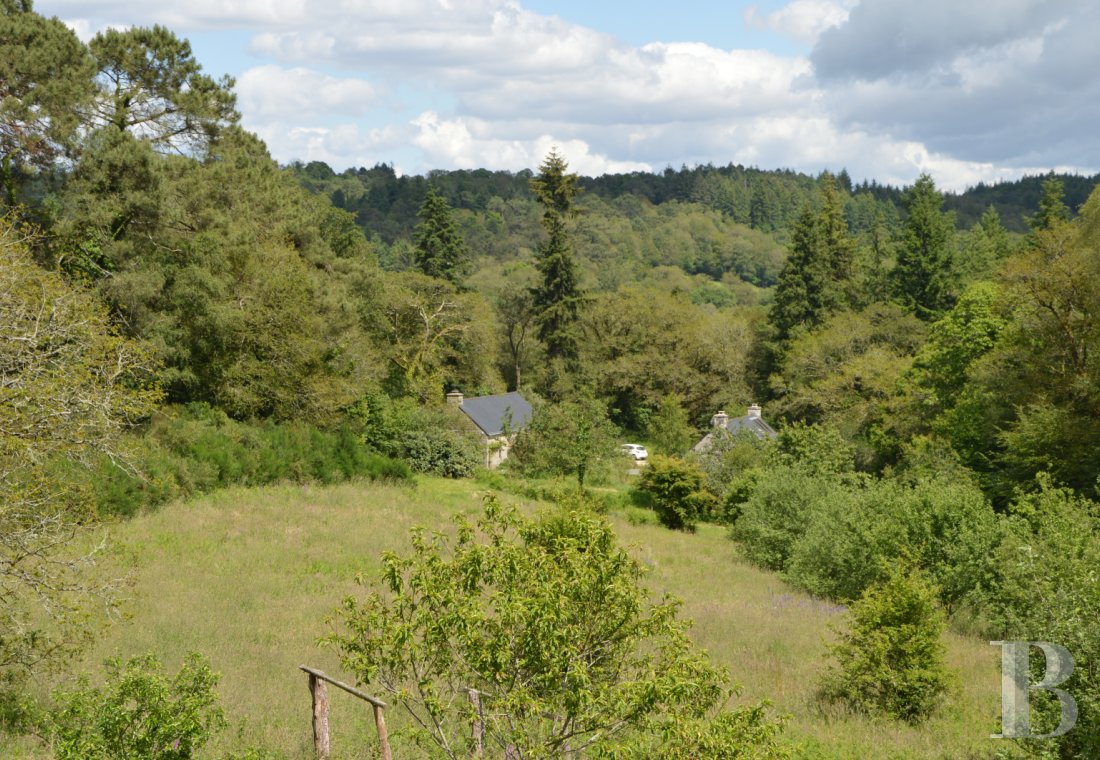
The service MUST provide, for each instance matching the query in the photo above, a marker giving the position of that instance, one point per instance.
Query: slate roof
(753, 425)
(735, 425)
(490, 412)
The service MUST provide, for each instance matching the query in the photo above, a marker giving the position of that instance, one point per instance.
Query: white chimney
(455, 397)
(754, 412)
(720, 419)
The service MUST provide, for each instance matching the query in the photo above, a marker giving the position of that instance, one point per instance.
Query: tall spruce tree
(923, 276)
(440, 250)
(1052, 206)
(817, 279)
(557, 297)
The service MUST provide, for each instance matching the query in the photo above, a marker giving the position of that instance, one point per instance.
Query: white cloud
(276, 93)
(892, 88)
(802, 20)
(469, 143)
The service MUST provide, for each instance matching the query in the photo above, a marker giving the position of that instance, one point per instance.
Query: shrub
(675, 489)
(776, 514)
(139, 714)
(946, 528)
(729, 457)
(891, 660)
(1047, 591)
(440, 452)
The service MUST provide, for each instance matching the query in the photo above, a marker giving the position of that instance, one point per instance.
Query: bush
(891, 661)
(139, 714)
(1047, 591)
(819, 449)
(776, 514)
(675, 489)
(730, 457)
(198, 448)
(946, 528)
(440, 452)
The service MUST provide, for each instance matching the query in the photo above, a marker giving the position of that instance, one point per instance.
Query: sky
(886, 89)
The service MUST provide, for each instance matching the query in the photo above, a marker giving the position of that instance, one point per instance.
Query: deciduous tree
(549, 622)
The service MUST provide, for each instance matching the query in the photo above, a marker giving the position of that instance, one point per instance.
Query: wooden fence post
(383, 733)
(322, 743)
(479, 725)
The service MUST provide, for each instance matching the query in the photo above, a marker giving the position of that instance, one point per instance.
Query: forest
(182, 314)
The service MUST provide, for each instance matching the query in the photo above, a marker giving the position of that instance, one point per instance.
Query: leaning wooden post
(383, 734)
(479, 725)
(322, 743)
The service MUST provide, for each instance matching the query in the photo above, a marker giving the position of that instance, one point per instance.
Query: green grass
(248, 577)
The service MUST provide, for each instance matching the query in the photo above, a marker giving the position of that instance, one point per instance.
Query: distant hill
(385, 204)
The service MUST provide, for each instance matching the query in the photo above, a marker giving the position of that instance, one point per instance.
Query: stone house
(751, 423)
(497, 419)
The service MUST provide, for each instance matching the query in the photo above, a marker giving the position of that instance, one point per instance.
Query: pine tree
(817, 279)
(923, 275)
(440, 250)
(1052, 206)
(557, 297)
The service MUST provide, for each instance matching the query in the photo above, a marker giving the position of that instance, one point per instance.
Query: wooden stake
(479, 725)
(322, 743)
(383, 734)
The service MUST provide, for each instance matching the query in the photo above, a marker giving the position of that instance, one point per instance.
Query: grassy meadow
(248, 577)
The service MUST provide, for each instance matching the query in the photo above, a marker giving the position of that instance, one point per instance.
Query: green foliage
(676, 490)
(432, 439)
(852, 536)
(845, 375)
(557, 297)
(434, 336)
(817, 279)
(505, 608)
(47, 77)
(197, 449)
(1052, 206)
(923, 274)
(646, 344)
(140, 713)
(1047, 591)
(69, 388)
(440, 250)
(774, 517)
(955, 341)
(891, 660)
(150, 84)
(669, 429)
(730, 457)
(818, 449)
(570, 438)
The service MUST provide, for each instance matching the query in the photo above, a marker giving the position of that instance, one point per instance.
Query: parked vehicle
(635, 450)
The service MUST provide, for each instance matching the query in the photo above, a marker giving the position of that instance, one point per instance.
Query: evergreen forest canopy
(214, 315)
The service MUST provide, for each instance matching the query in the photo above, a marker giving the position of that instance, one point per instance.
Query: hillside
(249, 576)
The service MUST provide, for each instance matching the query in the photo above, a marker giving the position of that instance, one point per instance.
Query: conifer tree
(440, 250)
(817, 279)
(557, 297)
(1052, 206)
(924, 272)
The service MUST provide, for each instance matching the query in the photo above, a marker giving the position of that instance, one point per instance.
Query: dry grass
(247, 577)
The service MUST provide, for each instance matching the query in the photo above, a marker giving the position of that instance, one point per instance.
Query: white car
(635, 450)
